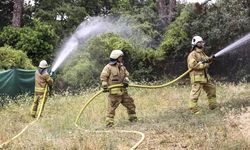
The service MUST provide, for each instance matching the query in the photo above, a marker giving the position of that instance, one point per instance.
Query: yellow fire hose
(88, 102)
(121, 85)
(162, 85)
(3, 145)
(103, 131)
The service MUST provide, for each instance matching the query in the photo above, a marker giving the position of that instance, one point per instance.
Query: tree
(6, 7)
(66, 15)
(37, 41)
(166, 10)
(17, 13)
(162, 10)
(219, 26)
(246, 5)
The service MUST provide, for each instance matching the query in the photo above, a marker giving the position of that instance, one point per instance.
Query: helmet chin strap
(200, 47)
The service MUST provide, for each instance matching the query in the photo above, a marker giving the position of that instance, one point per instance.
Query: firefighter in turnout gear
(200, 79)
(116, 73)
(42, 78)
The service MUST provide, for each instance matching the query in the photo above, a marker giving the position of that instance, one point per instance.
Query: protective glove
(50, 90)
(202, 65)
(125, 82)
(200, 62)
(53, 75)
(105, 87)
(209, 60)
(206, 65)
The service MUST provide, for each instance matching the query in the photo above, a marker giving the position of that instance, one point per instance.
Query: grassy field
(163, 113)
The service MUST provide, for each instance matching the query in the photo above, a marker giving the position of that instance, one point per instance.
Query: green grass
(164, 118)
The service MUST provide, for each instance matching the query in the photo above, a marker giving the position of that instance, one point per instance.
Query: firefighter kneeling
(41, 79)
(116, 73)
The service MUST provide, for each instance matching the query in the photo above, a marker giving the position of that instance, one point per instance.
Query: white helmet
(116, 54)
(43, 64)
(196, 39)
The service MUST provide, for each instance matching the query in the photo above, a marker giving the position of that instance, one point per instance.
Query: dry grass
(163, 113)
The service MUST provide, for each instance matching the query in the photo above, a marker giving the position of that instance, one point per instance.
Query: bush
(84, 69)
(80, 73)
(38, 41)
(11, 58)
(139, 62)
(219, 26)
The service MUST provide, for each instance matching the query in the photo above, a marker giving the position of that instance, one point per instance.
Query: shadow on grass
(182, 115)
(238, 104)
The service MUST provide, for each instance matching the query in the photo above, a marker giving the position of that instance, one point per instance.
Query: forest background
(31, 31)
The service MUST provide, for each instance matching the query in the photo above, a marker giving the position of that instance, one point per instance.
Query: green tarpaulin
(14, 82)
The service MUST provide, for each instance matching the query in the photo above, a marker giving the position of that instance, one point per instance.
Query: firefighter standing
(200, 79)
(42, 78)
(116, 73)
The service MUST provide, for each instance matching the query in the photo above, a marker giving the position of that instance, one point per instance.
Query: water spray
(87, 29)
(236, 45)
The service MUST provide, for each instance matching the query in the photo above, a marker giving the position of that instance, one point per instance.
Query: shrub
(11, 58)
(38, 41)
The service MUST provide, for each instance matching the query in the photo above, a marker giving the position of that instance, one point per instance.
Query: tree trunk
(172, 10)
(162, 10)
(17, 13)
(166, 10)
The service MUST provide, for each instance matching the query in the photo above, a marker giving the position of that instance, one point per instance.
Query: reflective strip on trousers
(108, 120)
(199, 78)
(39, 89)
(193, 103)
(212, 101)
(118, 91)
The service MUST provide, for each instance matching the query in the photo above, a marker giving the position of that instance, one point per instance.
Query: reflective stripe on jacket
(199, 72)
(114, 74)
(41, 79)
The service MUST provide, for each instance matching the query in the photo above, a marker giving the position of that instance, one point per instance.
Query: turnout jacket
(114, 74)
(41, 79)
(200, 71)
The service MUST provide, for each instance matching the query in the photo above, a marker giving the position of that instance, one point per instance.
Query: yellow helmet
(115, 54)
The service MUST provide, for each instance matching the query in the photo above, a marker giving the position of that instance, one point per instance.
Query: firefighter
(116, 73)
(42, 78)
(200, 79)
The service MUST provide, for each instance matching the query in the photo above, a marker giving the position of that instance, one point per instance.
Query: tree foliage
(84, 68)
(38, 41)
(66, 15)
(153, 50)
(219, 25)
(6, 7)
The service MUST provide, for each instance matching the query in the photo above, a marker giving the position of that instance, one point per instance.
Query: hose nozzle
(212, 56)
(209, 60)
(53, 75)
(205, 2)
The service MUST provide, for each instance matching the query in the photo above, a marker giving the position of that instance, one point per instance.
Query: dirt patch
(244, 123)
(240, 122)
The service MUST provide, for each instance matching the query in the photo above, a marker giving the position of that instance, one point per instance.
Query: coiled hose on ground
(121, 85)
